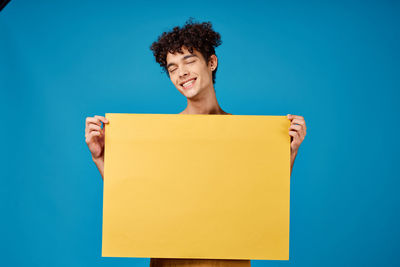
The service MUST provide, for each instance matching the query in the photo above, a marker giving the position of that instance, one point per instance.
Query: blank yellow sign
(196, 186)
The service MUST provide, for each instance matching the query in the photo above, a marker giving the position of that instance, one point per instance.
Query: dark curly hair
(199, 36)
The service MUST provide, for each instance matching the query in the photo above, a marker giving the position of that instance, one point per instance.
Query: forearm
(100, 165)
(292, 158)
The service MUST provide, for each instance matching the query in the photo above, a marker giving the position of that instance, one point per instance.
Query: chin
(191, 94)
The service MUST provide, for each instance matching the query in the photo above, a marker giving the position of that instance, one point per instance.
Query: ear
(213, 62)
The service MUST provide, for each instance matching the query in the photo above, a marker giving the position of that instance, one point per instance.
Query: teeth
(188, 83)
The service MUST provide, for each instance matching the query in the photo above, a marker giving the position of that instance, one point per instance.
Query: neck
(205, 103)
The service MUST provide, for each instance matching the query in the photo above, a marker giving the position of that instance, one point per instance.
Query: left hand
(297, 131)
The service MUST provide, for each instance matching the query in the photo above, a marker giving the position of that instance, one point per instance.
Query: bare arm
(94, 135)
(292, 158)
(100, 166)
(297, 131)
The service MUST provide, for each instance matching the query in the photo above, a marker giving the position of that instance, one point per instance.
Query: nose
(183, 72)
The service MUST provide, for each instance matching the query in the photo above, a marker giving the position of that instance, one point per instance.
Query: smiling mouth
(189, 84)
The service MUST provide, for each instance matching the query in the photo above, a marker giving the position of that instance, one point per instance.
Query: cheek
(207, 75)
(172, 78)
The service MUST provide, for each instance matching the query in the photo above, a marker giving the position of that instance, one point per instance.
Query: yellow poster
(196, 186)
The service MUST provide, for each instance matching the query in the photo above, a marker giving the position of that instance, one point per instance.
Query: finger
(91, 120)
(295, 127)
(299, 121)
(301, 131)
(93, 127)
(99, 132)
(104, 120)
(294, 134)
(296, 138)
(91, 135)
(298, 117)
(91, 131)
(292, 117)
(299, 128)
(96, 120)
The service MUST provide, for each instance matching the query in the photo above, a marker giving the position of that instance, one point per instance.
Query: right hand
(94, 135)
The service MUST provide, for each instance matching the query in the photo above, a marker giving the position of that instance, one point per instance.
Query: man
(187, 55)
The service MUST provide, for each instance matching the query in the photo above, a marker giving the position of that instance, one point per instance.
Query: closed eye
(190, 62)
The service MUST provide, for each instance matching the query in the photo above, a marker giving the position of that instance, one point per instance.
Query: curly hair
(192, 35)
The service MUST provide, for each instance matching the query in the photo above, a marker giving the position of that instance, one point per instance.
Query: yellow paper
(196, 186)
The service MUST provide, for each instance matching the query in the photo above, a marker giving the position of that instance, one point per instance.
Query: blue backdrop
(336, 63)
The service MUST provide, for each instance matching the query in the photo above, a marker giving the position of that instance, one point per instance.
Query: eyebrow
(185, 57)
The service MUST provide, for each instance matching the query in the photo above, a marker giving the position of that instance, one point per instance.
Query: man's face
(190, 73)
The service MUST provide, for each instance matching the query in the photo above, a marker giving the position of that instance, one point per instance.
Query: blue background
(336, 63)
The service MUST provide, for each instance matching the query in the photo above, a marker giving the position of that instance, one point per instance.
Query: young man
(187, 55)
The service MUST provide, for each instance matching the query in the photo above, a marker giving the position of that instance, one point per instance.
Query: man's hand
(297, 131)
(94, 135)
